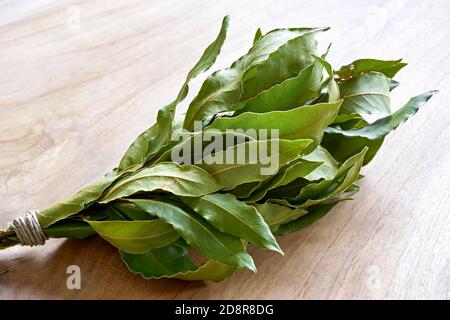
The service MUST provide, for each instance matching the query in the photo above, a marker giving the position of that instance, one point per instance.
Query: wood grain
(71, 101)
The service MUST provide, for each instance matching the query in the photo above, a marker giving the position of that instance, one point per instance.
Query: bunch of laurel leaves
(159, 213)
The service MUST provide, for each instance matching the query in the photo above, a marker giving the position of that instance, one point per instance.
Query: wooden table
(76, 89)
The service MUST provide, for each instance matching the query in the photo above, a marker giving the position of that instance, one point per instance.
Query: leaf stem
(7, 234)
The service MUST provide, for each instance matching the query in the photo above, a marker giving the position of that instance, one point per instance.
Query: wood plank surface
(76, 89)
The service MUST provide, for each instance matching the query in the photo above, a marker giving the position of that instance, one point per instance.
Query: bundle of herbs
(267, 147)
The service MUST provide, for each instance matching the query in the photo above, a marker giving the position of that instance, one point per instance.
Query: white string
(28, 230)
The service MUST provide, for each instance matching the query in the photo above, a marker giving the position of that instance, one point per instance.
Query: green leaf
(196, 144)
(211, 53)
(314, 214)
(345, 118)
(306, 122)
(69, 229)
(366, 95)
(182, 180)
(230, 174)
(297, 169)
(224, 88)
(327, 170)
(113, 215)
(246, 189)
(315, 193)
(175, 137)
(156, 137)
(231, 216)
(282, 64)
(136, 236)
(393, 84)
(200, 234)
(107, 213)
(289, 191)
(79, 201)
(342, 147)
(159, 263)
(344, 143)
(276, 215)
(289, 94)
(211, 270)
(131, 212)
(362, 66)
(383, 126)
(174, 262)
(332, 86)
(150, 141)
(257, 36)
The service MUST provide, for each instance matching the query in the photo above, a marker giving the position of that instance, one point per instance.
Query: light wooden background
(72, 99)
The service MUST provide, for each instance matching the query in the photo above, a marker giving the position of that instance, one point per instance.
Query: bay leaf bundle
(158, 211)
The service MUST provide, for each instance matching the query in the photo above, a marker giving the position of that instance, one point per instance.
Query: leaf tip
(251, 265)
(433, 92)
(427, 95)
(275, 247)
